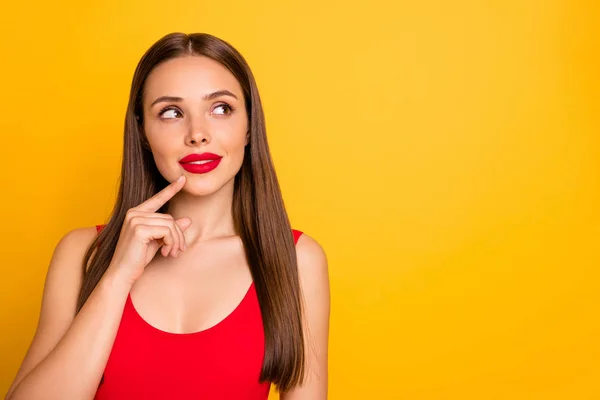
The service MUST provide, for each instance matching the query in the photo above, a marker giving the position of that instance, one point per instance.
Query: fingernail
(180, 178)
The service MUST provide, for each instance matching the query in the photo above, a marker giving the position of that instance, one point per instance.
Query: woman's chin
(202, 188)
(199, 190)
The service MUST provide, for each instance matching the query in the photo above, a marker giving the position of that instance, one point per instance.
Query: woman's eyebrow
(219, 93)
(208, 97)
(165, 99)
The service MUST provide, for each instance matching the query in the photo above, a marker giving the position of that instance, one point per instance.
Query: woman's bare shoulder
(63, 280)
(310, 254)
(313, 267)
(79, 236)
(70, 250)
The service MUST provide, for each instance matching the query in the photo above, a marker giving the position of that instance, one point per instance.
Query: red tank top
(221, 362)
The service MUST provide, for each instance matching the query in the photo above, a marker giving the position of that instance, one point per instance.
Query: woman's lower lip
(201, 168)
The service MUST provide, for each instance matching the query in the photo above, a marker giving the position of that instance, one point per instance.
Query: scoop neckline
(210, 329)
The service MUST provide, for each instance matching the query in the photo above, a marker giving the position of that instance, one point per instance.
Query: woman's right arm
(68, 353)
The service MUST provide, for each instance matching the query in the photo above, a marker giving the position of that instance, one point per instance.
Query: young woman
(197, 287)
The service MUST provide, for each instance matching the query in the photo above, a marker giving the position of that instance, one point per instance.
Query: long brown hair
(258, 209)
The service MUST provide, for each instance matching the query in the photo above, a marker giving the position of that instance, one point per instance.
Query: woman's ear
(247, 138)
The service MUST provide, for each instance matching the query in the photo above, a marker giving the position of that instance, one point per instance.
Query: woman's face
(194, 105)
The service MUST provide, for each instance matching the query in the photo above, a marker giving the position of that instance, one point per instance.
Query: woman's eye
(222, 109)
(170, 113)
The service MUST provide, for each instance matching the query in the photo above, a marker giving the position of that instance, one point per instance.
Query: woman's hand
(144, 231)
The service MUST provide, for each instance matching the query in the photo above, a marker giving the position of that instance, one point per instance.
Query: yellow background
(446, 154)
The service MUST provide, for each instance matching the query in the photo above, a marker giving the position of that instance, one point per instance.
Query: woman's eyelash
(229, 109)
(170, 108)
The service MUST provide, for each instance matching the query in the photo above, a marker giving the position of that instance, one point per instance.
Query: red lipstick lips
(200, 163)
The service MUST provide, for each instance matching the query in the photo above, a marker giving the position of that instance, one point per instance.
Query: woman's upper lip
(199, 157)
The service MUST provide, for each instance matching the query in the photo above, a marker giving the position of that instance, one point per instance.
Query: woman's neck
(211, 215)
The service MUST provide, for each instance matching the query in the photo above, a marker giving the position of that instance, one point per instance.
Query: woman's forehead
(190, 77)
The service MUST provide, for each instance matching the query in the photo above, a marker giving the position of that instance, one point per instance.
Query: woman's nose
(198, 131)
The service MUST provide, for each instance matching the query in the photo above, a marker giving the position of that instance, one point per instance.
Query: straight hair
(260, 218)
